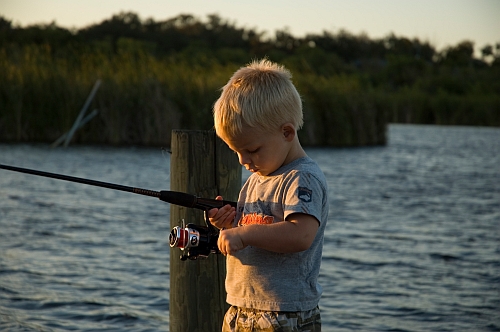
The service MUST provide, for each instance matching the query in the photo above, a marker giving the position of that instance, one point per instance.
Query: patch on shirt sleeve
(305, 194)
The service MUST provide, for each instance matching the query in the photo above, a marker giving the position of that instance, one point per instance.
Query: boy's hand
(222, 217)
(230, 241)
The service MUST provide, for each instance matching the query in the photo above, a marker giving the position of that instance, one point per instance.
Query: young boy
(273, 241)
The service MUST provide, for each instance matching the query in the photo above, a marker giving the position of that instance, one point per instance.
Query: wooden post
(202, 165)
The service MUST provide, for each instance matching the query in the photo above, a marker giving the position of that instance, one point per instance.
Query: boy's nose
(243, 159)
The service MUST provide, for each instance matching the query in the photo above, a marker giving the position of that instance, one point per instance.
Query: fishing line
(166, 155)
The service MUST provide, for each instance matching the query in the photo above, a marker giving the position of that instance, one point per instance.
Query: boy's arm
(294, 234)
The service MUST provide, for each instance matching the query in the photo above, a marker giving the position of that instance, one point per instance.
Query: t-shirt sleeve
(304, 194)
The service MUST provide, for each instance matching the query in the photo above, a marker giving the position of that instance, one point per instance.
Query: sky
(442, 23)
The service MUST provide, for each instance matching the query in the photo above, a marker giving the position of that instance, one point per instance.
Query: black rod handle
(192, 201)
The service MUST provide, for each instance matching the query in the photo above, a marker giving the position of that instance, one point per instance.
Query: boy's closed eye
(248, 151)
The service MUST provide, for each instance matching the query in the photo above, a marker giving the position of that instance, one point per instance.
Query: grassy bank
(143, 97)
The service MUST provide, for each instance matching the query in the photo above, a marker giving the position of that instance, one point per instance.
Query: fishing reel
(194, 240)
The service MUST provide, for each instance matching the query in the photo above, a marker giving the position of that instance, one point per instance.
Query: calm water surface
(412, 244)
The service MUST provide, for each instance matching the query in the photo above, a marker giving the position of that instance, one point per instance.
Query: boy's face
(261, 152)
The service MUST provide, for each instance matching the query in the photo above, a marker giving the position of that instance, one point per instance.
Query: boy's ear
(288, 131)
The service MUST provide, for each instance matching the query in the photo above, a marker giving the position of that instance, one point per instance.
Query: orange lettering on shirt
(256, 219)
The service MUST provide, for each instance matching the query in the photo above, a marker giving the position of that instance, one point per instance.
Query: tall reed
(339, 113)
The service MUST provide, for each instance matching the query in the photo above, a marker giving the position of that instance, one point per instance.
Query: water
(412, 244)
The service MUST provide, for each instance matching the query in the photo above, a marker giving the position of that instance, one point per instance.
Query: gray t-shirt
(265, 280)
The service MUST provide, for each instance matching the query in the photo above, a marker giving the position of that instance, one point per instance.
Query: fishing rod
(173, 197)
(194, 240)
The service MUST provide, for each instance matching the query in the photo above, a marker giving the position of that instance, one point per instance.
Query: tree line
(159, 75)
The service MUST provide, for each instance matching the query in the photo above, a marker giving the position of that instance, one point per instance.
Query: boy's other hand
(230, 242)
(222, 217)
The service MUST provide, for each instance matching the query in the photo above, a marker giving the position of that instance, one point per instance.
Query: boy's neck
(296, 152)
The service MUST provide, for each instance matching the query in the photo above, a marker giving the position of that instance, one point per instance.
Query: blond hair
(260, 95)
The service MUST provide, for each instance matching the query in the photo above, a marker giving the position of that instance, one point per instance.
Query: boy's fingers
(212, 212)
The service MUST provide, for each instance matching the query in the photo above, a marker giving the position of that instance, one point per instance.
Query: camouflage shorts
(251, 320)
